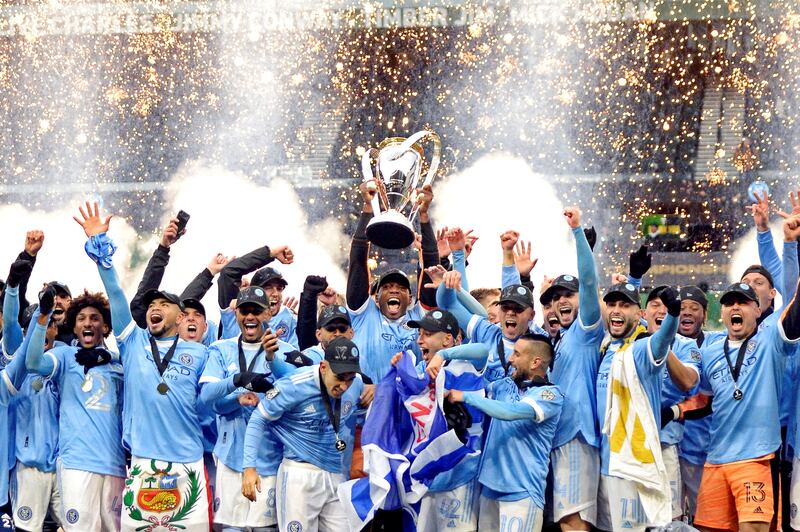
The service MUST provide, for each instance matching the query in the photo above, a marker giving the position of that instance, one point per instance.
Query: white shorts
(673, 466)
(691, 475)
(233, 509)
(168, 493)
(307, 499)
(794, 495)
(90, 502)
(455, 510)
(509, 516)
(34, 493)
(576, 473)
(623, 510)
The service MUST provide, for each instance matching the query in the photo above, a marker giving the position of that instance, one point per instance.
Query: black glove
(92, 357)
(458, 418)
(20, 269)
(252, 382)
(298, 359)
(591, 236)
(47, 300)
(667, 415)
(671, 300)
(640, 262)
(315, 284)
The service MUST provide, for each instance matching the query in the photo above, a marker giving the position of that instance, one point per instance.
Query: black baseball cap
(266, 275)
(152, 295)
(437, 321)
(625, 291)
(332, 313)
(563, 282)
(194, 304)
(693, 293)
(757, 268)
(253, 295)
(738, 289)
(517, 293)
(655, 292)
(342, 356)
(394, 276)
(60, 288)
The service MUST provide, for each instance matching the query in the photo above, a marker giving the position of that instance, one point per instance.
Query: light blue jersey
(283, 324)
(379, 338)
(90, 416)
(37, 413)
(516, 455)
(232, 418)
(750, 427)
(11, 378)
(649, 371)
(162, 427)
(689, 354)
(299, 419)
(577, 355)
(315, 353)
(483, 331)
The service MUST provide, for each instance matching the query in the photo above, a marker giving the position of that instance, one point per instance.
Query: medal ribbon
(735, 370)
(161, 365)
(334, 413)
(243, 366)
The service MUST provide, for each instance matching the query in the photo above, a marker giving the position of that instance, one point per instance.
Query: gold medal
(37, 384)
(162, 388)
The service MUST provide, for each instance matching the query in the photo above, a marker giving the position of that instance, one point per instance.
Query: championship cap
(342, 356)
(332, 313)
(152, 295)
(693, 293)
(738, 290)
(266, 275)
(194, 304)
(437, 321)
(624, 291)
(563, 282)
(517, 293)
(394, 276)
(252, 295)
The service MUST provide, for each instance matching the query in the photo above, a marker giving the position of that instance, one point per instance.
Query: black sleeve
(230, 278)
(307, 320)
(198, 287)
(699, 413)
(526, 281)
(791, 319)
(151, 280)
(445, 262)
(357, 272)
(430, 257)
(23, 285)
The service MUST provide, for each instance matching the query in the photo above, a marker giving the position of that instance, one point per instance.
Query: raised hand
(452, 280)
(292, 303)
(441, 243)
(471, 239)
(283, 254)
(791, 228)
(424, 199)
(522, 258)
(327, 296)
(573, 216)
(368, 190)
(640, 262)
(218, 262)
(91, 221)
(760, 212)
(794, 198)
(547, 282)
(34, 240)
(456, 239)
(436, 273)
(508, 240)
(170, 234)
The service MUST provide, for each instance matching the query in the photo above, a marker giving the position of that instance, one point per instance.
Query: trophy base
(390, 230)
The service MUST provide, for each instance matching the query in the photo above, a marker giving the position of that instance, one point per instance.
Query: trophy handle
(435, 159)
(366, 170)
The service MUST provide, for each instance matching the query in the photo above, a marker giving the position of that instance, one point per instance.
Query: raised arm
(589, 301)
(789, 262)
(101, 249)
(477, 353)
(430, 250)
(201, 284)
(357, 271)
(12, 332)
(306, 330)
(34, 240)
(35, 340)
(661, 341)
(154, 272)
(230, 278)
(767, 253)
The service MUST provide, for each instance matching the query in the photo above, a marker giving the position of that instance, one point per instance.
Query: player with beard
(234, 381)
(619, 503)
(525, 410)
(451, 502)
(575, 460)
(161, 393)
(680, 374)
(91, 460)
(380, 323)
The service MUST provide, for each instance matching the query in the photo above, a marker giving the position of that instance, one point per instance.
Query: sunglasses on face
(336, 328)
(505, 307)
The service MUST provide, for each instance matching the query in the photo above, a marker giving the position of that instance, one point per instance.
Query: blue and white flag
(406, 443)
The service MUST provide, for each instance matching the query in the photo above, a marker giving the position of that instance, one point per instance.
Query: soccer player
(91, 460)
(451, 502)
(575, 459)
(525, 410)
(680, 374)
(619, 501)
(379, 323)
(309, 412)
(162, 429)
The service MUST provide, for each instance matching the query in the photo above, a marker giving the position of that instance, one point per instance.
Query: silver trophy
(395, 167)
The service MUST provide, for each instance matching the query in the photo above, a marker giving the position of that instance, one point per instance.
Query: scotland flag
(406, 443)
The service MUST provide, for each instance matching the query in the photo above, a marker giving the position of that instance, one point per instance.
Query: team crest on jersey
(696, 356)
(547, 395)
(751, 347)
(24, 513)
(186, 359)
(347, 406)
(272, 394)
(281, 330)
(295, 526)
(159, 493)
(72, 516)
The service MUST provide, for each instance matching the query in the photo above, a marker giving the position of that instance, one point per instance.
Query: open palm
(91, 221)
